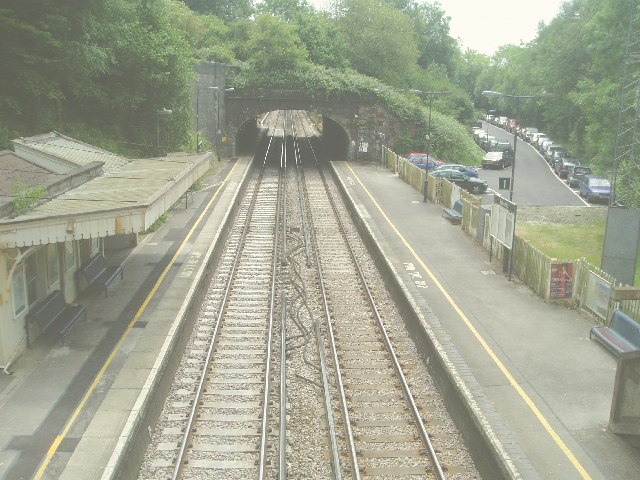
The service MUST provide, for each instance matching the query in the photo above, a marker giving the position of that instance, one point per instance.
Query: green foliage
(320, 35)
(434, 43)
(579, 57)
(25, 197)
(275, 47)
(108, 64)
(365, 26)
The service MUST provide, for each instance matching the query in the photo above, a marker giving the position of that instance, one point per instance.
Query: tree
(229, 10)
(434, 43)
(320, 35)
(275, 47)
(381, 40)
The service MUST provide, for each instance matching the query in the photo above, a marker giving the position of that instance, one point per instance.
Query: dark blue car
(424, 161)
(595, 188)
(468, 171)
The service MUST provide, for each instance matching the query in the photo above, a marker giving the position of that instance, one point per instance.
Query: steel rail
(335, 454)
(301, 195)
(267, 388)
(188, 431)
(282, 467)
(405, 386)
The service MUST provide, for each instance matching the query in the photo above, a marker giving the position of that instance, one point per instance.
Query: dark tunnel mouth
(332, 144)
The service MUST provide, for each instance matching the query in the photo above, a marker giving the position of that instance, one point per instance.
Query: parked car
(488, 142)
(576, 174)
(595, 188)
(551, 150)
(556, 155)
(539, 138)
(495, 160)
(423, 161)
(560, 161)
(544, 145)
(472, 172)
(563, 171)
(526, 133)
(471, 184)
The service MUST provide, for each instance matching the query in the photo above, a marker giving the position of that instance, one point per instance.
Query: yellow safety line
(556, 438)
(56, 444)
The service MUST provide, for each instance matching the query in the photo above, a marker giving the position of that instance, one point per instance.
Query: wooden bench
(96, 272)
(622, 334)
(454, 214)
(55, 316)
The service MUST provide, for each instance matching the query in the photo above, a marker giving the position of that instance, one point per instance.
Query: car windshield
(599, 182)
(582, 170)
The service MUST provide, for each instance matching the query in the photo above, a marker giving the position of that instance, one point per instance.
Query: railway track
(299, 365)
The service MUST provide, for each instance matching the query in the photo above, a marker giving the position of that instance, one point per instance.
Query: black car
(471, 184)
(559, 162)
(576, 174)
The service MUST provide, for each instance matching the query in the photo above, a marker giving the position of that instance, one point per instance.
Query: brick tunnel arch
(337, 141)
(347, 121)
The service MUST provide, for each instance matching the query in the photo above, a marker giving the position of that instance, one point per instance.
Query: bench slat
(622, 334)
(96, 272)
(454, 214)
(55, 316)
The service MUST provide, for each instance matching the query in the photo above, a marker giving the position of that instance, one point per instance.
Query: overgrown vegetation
(25, 197)
(100, 70)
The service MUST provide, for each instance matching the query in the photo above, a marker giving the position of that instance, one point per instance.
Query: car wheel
(476, 189)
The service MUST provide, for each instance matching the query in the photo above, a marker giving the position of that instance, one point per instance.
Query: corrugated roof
(15, 169)
(71, 150)
(125, 201)
(132, 184)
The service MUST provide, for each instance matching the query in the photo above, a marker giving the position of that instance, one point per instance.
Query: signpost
(503, 226)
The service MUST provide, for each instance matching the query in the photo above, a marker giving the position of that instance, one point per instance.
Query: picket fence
(575, 282)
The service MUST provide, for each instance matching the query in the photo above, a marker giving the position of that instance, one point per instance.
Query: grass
(569, 241)
(566, 242)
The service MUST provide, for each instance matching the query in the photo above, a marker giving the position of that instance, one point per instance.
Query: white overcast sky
(485, 25)
(488, 24)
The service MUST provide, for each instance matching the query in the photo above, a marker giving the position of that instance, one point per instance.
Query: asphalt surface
(535, 183)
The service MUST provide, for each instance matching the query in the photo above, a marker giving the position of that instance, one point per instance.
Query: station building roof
(61, 154)
(15, 171)
(127, 199)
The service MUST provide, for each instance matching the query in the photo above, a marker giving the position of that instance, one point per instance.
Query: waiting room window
(95, 246)
(31, 276)
(53, 273)
(69, 256)
(19, 290)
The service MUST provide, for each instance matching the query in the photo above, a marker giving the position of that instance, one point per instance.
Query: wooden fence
(588, 287)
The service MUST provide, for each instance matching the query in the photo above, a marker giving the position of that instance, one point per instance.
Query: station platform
(67, 412)
(544, 384)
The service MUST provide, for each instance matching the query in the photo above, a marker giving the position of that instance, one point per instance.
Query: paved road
(535, 183)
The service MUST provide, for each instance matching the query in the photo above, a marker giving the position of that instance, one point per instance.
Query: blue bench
(622, 335)
(55, 316)
(96, 272)
(454, 214)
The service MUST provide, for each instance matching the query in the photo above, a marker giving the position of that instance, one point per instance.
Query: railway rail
(299, 365)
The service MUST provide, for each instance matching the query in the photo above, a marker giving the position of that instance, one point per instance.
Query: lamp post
(489, 93)
(197, 111)
(428, 152)
(164, 111)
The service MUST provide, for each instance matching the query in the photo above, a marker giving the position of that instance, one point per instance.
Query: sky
(488, 24)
